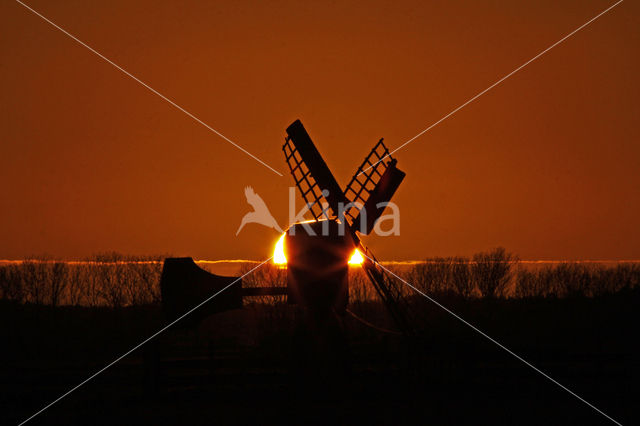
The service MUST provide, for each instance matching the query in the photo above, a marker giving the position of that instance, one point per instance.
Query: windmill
(318, 250)
(355, 210)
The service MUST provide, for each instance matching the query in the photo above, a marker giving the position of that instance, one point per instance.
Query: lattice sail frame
(366, 179)
(307, 185)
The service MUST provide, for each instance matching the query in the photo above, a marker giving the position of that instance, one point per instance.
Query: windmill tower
(317, 264)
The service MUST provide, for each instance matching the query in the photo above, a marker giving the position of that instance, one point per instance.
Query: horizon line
(461, 260)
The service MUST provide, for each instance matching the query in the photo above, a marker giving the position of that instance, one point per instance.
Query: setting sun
(356, 258)
(279, 257)
(278, 253)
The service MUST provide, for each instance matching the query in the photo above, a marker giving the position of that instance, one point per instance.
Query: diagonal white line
(476, 329)
(494, 84)
(152, 90)
(140, 344)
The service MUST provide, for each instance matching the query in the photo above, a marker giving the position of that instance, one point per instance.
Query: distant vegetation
(108, 279)
(499, 274)
(117, 280)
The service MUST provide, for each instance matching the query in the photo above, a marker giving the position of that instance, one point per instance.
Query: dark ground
(263, 365)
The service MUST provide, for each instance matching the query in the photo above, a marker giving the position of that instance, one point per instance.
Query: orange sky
(546, 164)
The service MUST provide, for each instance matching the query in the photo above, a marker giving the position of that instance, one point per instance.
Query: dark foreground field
(262, 365)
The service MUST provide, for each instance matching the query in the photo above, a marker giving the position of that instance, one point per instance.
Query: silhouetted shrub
(11, 283)
(56, 283)
(432, 277)
(528, 285)
(34, 277)
(77, 286)
(491, 271)
(267, 275)
(360, 288)
(460, 276)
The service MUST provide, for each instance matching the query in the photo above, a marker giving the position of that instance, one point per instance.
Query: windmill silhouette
(260, 213)
(374, 183)
(317, 262)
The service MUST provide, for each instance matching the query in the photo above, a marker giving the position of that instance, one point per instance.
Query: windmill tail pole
(183, 285)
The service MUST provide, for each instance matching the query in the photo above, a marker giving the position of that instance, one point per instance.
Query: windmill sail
(313, 178)
(375, 182)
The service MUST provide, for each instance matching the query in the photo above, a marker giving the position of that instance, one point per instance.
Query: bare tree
(56, 282)
(11, 283)
(491, 271)
(77, 285)
(111, 285)
(34, 278)
(460, 276)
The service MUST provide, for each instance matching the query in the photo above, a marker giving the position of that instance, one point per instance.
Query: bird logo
(260, 213)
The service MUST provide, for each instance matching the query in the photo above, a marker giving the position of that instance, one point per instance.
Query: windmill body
(355, 209)
(317, 251)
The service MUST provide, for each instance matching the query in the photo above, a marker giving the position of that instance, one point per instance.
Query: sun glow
(278, 253)
(356, 258)
(280, 259)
